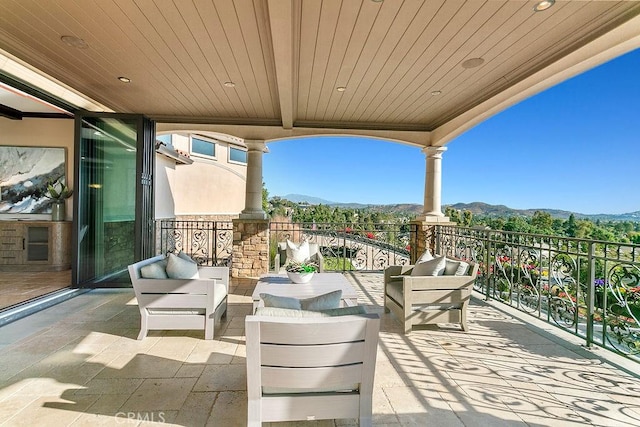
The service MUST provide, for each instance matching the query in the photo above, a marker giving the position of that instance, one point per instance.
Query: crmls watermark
(125, 417)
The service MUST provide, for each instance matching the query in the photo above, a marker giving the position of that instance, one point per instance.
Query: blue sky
(574, 147)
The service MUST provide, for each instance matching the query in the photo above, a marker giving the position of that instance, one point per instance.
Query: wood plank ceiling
(353, 64)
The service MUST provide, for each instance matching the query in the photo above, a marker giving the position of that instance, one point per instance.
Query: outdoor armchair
(428, 299)
(310, 368)
(168, 304)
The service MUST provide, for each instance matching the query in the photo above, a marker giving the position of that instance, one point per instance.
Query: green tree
(516, 223)
(542, 222)
(265, 198)
(453, 214)
(571, 227)
(600, 233)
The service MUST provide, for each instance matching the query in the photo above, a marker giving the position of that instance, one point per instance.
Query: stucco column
(432, 211)
(253, 197)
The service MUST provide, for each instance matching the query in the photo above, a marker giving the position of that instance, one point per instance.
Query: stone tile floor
(17, 287)
(79, 364)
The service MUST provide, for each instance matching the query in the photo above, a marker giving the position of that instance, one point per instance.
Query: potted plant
(301, 272)
(58, 192)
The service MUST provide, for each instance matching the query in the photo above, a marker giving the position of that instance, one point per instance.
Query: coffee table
(321, 283)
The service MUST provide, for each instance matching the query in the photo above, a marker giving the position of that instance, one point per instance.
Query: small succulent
(301, 267)
(58, 191)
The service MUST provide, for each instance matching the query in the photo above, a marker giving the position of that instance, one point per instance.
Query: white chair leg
(143, 325)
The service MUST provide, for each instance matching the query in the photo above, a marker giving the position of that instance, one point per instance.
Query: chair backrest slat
(304, 356)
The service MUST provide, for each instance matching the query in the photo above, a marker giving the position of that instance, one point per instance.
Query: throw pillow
(451, 267)
(426, 256)
(280, 302)
(178, 268)
(156, 270)
(297, 253)
(185, 257)
(462, 269)
(433, 267)
(322, 302)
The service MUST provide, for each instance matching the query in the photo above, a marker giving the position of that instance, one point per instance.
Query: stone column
(432, 211)
(250, 257)
(425, 225)
(253, 196)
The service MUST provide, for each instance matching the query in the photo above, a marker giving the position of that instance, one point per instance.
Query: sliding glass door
(114, 170)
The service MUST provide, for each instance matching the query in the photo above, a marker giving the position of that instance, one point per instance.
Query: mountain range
(477, 208)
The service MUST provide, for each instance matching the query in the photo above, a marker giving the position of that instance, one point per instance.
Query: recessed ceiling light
(472, 63)
(377, 1)
(74, 41)
(229, 84)
(543, 5)
(124, 79)
(341, 88)
(436, 92)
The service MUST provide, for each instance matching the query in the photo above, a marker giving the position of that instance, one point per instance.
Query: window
(203, 148)
(238, 156)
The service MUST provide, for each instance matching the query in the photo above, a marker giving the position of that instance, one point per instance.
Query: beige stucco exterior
(207, 188)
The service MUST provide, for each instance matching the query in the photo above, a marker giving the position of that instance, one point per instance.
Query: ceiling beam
(276, 133)
(281, 20)
(10, 113)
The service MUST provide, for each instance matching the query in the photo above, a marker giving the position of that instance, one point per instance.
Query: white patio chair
(311, 368)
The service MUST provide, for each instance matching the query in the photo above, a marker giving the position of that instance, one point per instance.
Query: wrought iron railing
(590, 288)
(207, 242)
(350, 246)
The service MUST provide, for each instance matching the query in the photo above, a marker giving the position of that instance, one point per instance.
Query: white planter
(300, 277)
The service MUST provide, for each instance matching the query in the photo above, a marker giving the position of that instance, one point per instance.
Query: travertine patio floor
(79, 363)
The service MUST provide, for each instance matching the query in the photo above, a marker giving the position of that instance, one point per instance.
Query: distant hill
(300, 198)
(477, 208)
(399, 208)
(485, 209)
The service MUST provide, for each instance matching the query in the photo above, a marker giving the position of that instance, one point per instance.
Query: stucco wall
(164, 187)
(208, 186)
(33, 132)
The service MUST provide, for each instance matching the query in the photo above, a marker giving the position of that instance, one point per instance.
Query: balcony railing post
(590, 295)
(487, 263)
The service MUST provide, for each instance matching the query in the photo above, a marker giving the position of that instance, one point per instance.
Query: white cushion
(297, 253)
(434, 267)
(426, 256)
(178, 268)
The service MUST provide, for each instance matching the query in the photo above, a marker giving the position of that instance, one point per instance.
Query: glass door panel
(106, 194)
